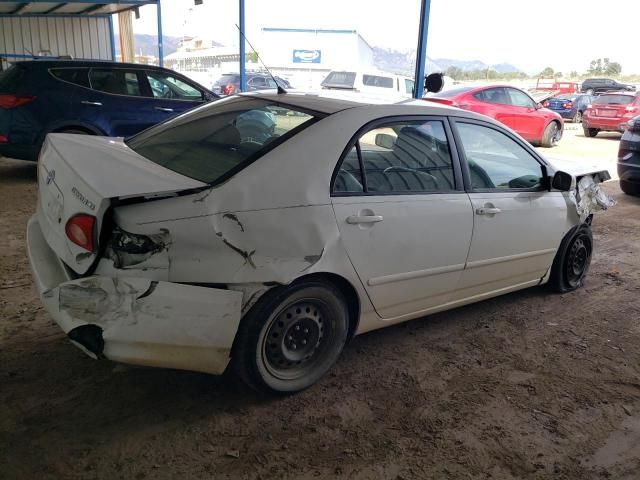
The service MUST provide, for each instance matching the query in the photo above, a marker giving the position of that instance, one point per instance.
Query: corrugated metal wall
(81, 37)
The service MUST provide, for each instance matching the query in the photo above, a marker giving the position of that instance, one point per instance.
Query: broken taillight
(80, 229)
(8, 101)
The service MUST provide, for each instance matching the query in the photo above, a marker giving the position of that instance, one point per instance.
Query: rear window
(377, 81)
(453, 92)
(213, 142)
(77, 76)
(613, 100)
(11, 78)
(340, 80)
(566, 96)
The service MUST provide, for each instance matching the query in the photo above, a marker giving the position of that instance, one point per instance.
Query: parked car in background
(569, 105)
(510, 106)
(229, 83)
(87, 97)
(595, 86)
(373, 83)
(629, 158)
(557, 86)
(610, 112)
(349, 218)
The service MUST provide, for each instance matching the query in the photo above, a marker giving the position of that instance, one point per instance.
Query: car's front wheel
(572, 261)
(291, 337)
(590, 132)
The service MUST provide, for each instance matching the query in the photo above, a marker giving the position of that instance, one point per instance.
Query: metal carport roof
(70, 7)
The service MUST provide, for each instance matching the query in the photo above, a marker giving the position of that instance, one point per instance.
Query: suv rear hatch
(79, 176)
(614, 105)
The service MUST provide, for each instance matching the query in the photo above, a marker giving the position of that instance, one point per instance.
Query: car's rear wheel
(291, 337)
(551, 135)
(590, 132)
(577, 118)
(572, 261)
(630, 188)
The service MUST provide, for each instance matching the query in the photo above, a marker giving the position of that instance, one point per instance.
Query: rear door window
(213, 142)
(377, 81)
(116, 81)
(77, 76)
(493, 95)
(170, 87)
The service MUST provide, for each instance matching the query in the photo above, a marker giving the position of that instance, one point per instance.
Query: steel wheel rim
(578, 261)
(297, 338)
(579, 117)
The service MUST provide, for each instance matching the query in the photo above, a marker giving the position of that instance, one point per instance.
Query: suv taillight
(228, 89)
(80, 229)
(631, 109)
(8, 101)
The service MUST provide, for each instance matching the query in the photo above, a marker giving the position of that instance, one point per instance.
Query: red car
(610, 112)
(511, 106)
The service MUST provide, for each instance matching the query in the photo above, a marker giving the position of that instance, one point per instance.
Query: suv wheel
(590, 132)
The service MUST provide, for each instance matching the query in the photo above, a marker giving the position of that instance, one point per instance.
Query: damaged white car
(264, 230)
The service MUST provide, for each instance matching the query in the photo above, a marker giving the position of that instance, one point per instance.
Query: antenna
(280, 89)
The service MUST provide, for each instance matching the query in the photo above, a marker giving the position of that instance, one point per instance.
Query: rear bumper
(136, 320)
(607, 124)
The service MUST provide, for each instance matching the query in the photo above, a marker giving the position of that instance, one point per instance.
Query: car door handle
(164, 109)
(356, 219)
(487, 211)
(95, 104)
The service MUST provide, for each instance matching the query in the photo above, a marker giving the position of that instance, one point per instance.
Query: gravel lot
(528, 385)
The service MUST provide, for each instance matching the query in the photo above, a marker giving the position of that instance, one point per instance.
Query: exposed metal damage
(588, 197)
(128, 249)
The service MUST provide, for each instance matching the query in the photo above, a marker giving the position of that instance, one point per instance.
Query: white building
(305, 55)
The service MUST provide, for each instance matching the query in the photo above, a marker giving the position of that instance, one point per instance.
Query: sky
(530, 34)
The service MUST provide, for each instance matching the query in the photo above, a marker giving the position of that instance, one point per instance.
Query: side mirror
(434, 83)
(385, 140)
(562, 181)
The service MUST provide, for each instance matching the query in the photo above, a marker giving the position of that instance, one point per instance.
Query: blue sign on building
(307, 56)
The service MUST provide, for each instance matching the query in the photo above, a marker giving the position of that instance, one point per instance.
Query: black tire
(291, 337)
(590, 132)
(630, 188)
(551, 136)
(577, 118)
(572, 261)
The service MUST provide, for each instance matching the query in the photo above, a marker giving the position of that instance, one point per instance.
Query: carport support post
(421, 57)
(243, 80)
(160, 47)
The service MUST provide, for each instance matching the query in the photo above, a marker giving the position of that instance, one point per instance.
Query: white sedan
(263, 231)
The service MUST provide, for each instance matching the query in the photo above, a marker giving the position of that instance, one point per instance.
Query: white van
(379, 83)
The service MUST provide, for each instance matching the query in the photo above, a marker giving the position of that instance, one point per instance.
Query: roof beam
(92, 8)
(21, 7)
(53, 9)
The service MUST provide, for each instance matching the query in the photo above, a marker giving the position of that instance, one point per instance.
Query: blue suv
(87, 97)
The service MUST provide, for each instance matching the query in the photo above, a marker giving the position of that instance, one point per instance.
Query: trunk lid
(81, 174)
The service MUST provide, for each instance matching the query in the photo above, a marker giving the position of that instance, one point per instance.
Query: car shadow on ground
(121, 399)
(17, 171)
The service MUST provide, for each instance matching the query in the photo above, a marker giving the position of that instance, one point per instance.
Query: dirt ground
(528, 385)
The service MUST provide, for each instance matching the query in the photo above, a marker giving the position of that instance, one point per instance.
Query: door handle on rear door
(487, 211)
(164, 109)
(95, 104)
(356, 219)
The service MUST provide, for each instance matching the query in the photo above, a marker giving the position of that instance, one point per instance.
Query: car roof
(84, 63)
(333, 101)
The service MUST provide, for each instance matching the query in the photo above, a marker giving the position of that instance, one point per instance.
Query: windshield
(613, 100)
(212, 142)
